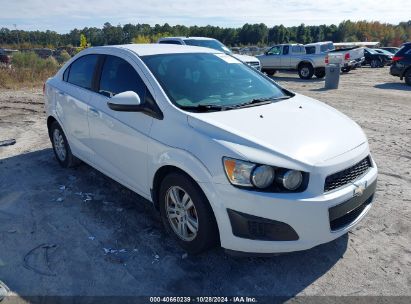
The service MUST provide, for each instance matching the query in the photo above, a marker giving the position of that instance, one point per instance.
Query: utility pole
(15, 27)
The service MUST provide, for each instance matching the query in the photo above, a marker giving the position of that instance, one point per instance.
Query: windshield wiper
(251, 103)
(259, 101)
(204, 108)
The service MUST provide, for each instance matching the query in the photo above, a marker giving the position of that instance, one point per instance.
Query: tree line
(248, 34)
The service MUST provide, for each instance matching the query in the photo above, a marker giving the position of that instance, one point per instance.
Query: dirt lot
(110, 242)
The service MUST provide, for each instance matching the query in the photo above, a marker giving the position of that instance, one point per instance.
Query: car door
(73, 96)
(296, 53)
(120, 139)
(272, 58)
(285, 57)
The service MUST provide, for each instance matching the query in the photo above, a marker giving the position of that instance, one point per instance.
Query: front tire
(270, 72)
(186, 214)
(305, 71)
(61, 147)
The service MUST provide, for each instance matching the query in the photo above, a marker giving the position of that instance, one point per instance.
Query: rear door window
(81, 71)
(286, 49)
(119, 76)
(310, 49)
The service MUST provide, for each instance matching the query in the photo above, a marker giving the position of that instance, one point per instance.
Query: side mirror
(128, 101)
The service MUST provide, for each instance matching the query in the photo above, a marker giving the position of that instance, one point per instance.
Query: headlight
(262, 176)
(291, 179)
(274, 179)
(238, 172)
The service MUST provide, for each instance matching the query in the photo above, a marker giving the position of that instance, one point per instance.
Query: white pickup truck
(350, 57)
(293, 57)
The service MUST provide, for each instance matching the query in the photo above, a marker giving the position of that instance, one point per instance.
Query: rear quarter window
(310, 49)
(170, 42)
(81, 71)
(66, 73)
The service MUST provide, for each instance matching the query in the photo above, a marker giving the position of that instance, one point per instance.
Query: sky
(63, 16)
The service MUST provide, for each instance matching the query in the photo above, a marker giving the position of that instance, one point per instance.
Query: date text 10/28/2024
(203, 300)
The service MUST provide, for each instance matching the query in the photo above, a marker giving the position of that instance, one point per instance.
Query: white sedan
(225, 154)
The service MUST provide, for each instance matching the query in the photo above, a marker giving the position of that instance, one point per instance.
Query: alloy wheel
(181, 213)
(59, 145)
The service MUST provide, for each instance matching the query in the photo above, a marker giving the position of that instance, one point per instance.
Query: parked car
(390, 49)
(385, 52)
(401, 65)
(6, 59)
(293, 57)
(375, 59)
(351, 57)
(213, 44)
(224, 153)
(6, 55)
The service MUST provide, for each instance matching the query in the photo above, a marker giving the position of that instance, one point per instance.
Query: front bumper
(309, 217)
(255, 65)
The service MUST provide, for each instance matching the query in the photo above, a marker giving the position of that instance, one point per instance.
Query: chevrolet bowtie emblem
(359, 190)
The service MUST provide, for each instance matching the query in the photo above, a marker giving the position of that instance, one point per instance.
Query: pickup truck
(293, 57)
(351, 58)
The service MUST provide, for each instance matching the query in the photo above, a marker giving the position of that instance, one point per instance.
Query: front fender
(168, 156)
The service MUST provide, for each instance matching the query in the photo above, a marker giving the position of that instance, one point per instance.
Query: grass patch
(27, 70)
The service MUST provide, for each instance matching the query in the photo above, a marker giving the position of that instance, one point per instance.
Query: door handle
(94, 112)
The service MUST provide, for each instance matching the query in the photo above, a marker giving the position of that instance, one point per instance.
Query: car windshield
(208, 43)
(383, 52)
(218, 80)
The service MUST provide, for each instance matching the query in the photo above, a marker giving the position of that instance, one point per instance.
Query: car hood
(246, 58)
(300, 129)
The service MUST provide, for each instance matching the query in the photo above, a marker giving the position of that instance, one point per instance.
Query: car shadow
(108, 235)
(393, 86)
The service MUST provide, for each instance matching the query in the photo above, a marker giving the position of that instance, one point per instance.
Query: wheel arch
(50, 120)
(159, 176)
(304, 62)
(176, 160)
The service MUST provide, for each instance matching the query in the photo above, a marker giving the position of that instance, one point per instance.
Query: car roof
(156, 49)
(318, 43)
(187, 37)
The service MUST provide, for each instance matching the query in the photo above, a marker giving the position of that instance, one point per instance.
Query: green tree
(83, 41)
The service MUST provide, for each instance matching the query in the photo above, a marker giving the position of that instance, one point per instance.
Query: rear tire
(61, 147)
(305, 71)
(186, 213)
(407, 77)
(319, 73)
(376, 63)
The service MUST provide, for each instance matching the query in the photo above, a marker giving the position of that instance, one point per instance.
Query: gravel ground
(109, 241)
